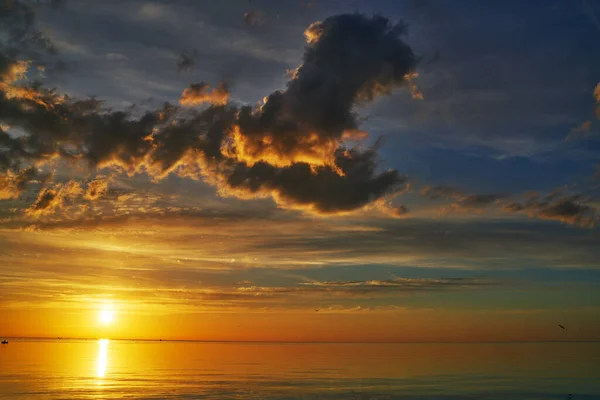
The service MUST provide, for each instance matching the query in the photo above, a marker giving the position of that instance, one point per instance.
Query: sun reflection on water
(102, 358)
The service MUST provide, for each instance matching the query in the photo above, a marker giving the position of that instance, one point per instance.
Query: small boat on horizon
(4, 342)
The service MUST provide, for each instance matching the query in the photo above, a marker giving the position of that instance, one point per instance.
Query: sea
(135, 369)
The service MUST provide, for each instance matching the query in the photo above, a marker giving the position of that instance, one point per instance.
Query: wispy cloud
(569, 209)
(559, 205)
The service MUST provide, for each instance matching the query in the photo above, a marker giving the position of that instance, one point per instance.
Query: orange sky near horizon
(321, 326)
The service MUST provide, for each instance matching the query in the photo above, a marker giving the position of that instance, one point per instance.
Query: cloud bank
(292, 148)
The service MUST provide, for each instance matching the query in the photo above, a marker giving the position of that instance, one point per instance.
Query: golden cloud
(198, 93)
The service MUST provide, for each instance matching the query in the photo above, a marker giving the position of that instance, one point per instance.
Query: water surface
(91, 369)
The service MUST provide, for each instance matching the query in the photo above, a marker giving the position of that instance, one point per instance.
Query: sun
(106, 316)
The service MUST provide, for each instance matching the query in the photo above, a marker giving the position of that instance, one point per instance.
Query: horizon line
(301, 341)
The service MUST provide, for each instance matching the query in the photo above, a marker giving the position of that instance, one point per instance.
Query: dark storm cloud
(348, 59)
(291, 148)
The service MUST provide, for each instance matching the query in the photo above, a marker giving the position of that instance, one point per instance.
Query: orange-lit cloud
(96, 189)
(414, 90)
(12, 184)
(51, 198)
(13, 90)
(311, 149)
(313, 32)
(198, 93)
(15, 72)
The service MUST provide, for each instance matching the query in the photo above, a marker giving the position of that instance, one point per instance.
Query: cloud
(13, 72)
(479, 200)
(57, 196)
(96, 189)
(441, 192)
(585, 129)
(580, 131)
(597, 96)
(198, 93)
(414, 90)
(395, 211)
(152, 11)
(20, 35)
(155, 290)
(292, 148)
(463, 202)
(255, 18)
(116, 57)
(186, 61)
(404, 283)
(50, 199)
(569, 209)
(307, 122)
(164, 236)
(574, 209)
(12, 184)
(350, 289)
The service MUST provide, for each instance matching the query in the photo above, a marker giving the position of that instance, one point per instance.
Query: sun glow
(106, 316)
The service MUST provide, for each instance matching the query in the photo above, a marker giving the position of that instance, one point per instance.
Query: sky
(300, 170)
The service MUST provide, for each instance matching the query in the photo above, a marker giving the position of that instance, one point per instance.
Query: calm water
(70, 369)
